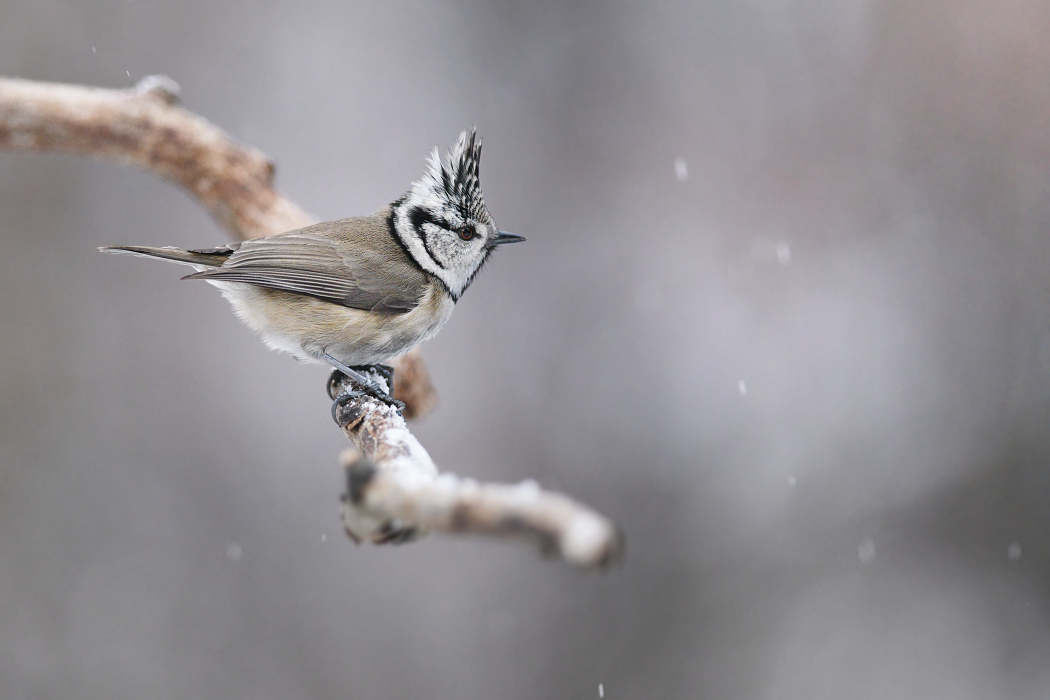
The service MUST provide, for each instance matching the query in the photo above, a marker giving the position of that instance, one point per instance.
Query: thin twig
(394, 491)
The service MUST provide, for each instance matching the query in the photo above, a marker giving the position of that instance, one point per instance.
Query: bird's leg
(384, 371)
(364, 384)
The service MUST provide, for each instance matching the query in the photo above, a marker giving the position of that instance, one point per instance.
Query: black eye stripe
(419, 216)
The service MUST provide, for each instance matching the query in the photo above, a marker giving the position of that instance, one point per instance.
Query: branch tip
(161, 87)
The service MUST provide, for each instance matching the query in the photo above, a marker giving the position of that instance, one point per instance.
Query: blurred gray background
(784, 313)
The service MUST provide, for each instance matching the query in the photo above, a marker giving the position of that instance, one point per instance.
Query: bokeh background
(784, 313)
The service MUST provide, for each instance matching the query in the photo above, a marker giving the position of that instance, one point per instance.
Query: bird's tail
(211, 257)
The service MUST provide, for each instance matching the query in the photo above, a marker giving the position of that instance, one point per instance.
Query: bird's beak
(504, 237)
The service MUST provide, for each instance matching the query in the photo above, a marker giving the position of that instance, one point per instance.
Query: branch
(395, 494)
(394, 490)
(144, 126)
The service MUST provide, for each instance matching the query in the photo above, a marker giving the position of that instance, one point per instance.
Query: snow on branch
(394, 491)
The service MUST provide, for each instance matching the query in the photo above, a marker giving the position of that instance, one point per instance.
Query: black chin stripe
(455, 297)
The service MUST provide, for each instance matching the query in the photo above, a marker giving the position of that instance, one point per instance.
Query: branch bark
(144, 126)
(394, 491)
(395, 494)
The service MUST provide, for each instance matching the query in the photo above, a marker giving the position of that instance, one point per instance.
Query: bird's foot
(361, 383)
(385, 372)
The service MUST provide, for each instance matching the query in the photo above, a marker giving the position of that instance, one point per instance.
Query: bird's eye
(466, 232)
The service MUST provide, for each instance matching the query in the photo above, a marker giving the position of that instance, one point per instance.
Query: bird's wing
(310, 263)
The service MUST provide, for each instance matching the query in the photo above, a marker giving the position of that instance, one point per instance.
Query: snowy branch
(394, 491)
(144, 126)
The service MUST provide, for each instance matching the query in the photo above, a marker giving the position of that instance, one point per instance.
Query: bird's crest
(457, 180)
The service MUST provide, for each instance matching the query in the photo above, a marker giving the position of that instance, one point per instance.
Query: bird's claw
(348, 393)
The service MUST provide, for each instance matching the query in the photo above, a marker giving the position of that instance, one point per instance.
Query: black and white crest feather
(442, 220)
(459, 177)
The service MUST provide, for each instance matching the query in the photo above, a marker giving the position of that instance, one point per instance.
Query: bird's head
(442, 219)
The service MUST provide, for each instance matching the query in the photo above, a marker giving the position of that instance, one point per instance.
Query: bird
(355, 292)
